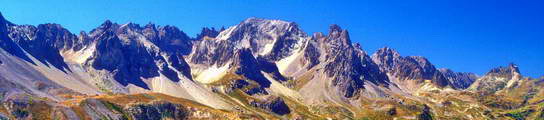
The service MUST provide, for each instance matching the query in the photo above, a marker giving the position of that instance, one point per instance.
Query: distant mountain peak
(107, 23)
(386, 51)
(338, 36)
(334, 28)
(253, 20)
(511, 69)
(208, 32)
(408, 67)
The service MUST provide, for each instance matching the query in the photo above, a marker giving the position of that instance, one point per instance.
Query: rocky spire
(207, 32)
(337, 36)
(385, 58)
(347, 65)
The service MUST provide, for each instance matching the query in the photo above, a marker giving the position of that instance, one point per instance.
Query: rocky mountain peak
(509, 70)
(106, 27)
(334, 28)
(172, 39)
(272, 39)
(387, 52)
(208, 32)
(498, 79)
(150, 25)
(348, 65)
(408, 68)
(106, 24)
(267, 25)
(338, 36)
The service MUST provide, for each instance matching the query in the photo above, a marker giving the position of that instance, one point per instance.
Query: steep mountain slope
(258, 69)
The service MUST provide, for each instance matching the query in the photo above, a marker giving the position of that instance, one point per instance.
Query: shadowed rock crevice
(249, 67)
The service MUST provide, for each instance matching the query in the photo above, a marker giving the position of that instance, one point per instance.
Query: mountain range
(257, 69)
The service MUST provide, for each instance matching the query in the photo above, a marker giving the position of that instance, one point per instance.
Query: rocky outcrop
(274, 104)
(409, 68)
(426, 114)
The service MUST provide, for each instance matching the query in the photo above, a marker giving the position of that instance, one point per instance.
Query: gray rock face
(408, 68)
(169, 38)
(459, 80)
(260, 35)
(349, 66)
(271, 39)
(211, 52)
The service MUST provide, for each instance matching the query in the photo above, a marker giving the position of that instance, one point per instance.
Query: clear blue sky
(464, 35)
